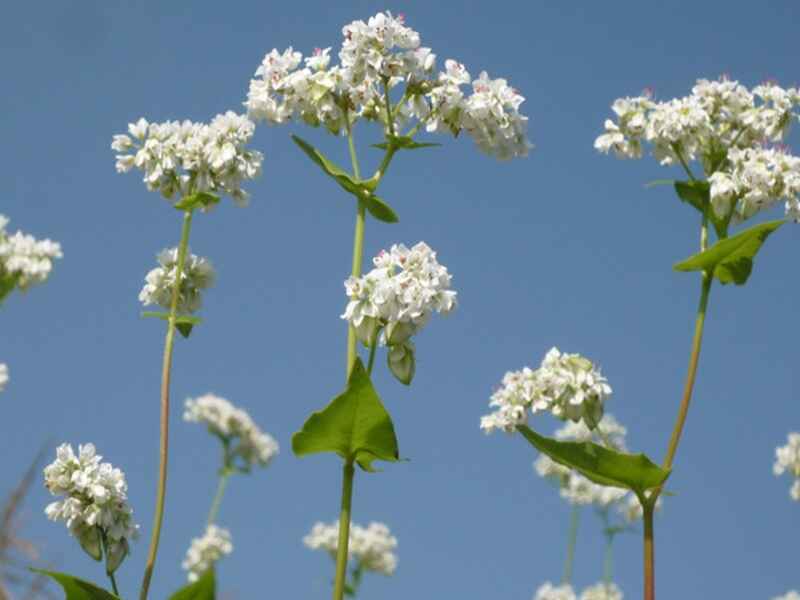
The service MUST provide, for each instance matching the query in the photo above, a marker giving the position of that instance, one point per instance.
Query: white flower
(787, 460)
(205, 551)
(602, 591)
(24, 260)
(377, 56)
(790, 595)
(184, 157)
(198, 275)
(567, 385)
(371, 547)
(95, 502)
(548, 591)
(399, 295)
(3, 376)
(244, 438)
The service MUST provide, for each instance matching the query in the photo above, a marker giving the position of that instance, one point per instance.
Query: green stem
(649, 552)
(572, 538)
(608, 559)
(373, 344)
(344, 531)
(677, 150)
(113, 584)
(223, 481)
(389, 120)
(104, 543)
(165, 382)
(358, 245)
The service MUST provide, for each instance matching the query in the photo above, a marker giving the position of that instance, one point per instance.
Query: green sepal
(77, 589)
(183, 323)
(202, 589)
(362, 190)
(403, 142)
(731, 259)
(201, 200)
(355, 425)
(607, 467)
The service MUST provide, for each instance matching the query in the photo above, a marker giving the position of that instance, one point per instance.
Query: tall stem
(344, 531)
(608, 559)
(223, 481)
(165, 381)
(649, 553)
(358, 246)
(572, 538)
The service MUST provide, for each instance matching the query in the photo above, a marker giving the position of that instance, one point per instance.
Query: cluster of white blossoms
(726, 127)
(181, 158)
(602, 591)
(3, 376)
(567, 385)
(548, 591)
(204, 551)
(787, 460)
(24, 260)
(790, 595)
(397, 298)
(375, 57)
(371, 547)
(95, 503)
(244, 438)
(197, 275)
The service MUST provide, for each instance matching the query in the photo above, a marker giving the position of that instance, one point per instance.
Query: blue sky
(563, 248)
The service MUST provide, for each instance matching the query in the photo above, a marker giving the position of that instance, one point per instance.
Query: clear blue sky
(564, 248)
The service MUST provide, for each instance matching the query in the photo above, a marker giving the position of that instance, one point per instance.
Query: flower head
(181, 158)
(548, 591)
(197, 275)
(787, 460)
(244, 441)
(602, 591)
(376, 57)
(371, 547)
(207, 550)
(95, 503)
(24, 260)
(566, 385)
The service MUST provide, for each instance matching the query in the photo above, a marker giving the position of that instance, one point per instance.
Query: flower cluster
(242, 437)
(184, 158)
(3, 376)
(602, 591)
(375, 57)
(371, 547)
(725, 126)
(567, 385)
(197, 275)
(787, 460)
(397, 298)
(548, 591)
(207, 550)
(790, 595)
(24, 260)
(95, 504)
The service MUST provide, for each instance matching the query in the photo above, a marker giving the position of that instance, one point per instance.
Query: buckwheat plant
(191, 165)
(385, 77)
(726, 139)
(24, 260)
(787, 460)
(371, 548)
(244, 446)
(94, 505)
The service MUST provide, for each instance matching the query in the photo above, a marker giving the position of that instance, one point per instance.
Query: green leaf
(341, 176)
(607, 467)
(78, 589)
(201, 200)
(184, 324)
(355, 425)
(731, 259)
(403, 142)
(695, 193)
(202, 589)
(380, 210)
(7, 284)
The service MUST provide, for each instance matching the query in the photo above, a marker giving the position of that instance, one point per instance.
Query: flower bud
(402, 362)
(89, 540)
(116, 553)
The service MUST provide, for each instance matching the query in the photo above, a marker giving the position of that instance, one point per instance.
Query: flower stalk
(344, 531)
(572, 539)
(165, 386)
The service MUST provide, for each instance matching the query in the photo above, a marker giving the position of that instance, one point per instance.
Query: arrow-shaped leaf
(380, 209)
(607, 467)
(731, 259)
(78, 589)
(355, 425)
(202, 589)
